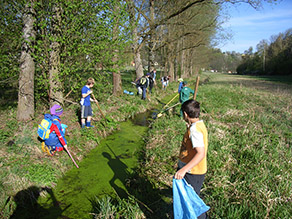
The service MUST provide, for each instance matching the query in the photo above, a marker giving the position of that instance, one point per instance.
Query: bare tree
(56, 92)
(117, 81)
(25, 110)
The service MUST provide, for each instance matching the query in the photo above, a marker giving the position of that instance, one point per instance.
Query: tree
(25, 109)
(56, 91)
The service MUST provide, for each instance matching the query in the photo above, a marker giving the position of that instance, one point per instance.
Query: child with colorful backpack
(56, 140)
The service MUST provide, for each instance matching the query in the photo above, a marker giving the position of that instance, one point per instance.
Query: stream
(103, 171)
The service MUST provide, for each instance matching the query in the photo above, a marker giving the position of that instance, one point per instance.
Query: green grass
(249, 159)
(25, 168)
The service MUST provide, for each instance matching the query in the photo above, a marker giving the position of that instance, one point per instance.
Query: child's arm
(86, 94)
(55, 128)
(193, 162)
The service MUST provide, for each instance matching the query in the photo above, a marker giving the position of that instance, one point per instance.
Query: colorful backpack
(44, 128)
(142, 81)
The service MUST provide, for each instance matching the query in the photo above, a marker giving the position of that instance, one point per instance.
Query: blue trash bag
(186, 203)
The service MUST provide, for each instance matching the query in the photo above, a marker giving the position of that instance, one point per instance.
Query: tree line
(274, 58)
(48, 48)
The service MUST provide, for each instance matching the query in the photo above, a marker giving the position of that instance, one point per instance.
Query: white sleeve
(196, 138)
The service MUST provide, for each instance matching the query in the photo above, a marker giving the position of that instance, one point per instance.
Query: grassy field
(250, 152)
(249, 160)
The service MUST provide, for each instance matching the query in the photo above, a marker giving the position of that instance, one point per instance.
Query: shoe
(88, 124)
(43, 147)
(50, 151)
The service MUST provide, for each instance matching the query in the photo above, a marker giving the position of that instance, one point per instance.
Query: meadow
(250, 147)
(249, 159)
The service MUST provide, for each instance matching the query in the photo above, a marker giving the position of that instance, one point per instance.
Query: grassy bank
(249, 160)
(24, 165)
(250, 152)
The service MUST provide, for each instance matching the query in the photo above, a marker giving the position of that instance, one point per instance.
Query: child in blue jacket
(56, 140)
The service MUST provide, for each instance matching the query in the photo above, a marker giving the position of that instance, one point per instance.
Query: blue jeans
(143, 93)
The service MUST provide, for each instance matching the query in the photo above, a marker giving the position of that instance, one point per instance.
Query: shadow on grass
(138, 193)
(140, 196)
(27, 204)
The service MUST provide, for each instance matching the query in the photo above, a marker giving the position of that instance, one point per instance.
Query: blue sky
(249, 26)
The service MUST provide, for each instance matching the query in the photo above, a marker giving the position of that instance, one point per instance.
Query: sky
(249, 26)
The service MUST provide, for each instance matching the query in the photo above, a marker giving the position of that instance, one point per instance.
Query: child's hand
(180, 174)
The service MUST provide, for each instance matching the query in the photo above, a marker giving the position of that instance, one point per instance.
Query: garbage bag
(186, 203)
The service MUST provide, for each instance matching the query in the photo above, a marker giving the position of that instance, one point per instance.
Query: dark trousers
(196, 181)
(143, 93)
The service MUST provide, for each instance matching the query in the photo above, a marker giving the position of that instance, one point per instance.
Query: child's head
(56, 110)
(90, 82)
(191, 108)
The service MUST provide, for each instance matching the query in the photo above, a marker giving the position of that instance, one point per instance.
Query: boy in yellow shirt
(192, 165)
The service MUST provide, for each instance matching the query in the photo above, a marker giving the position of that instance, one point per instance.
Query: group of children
(56, 140)
(192, 163)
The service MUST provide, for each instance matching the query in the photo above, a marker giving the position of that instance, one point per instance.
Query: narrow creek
(102, 172)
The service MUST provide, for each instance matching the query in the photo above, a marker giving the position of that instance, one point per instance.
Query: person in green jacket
(184, 94)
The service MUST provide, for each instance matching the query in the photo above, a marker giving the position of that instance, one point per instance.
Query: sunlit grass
(249, 158)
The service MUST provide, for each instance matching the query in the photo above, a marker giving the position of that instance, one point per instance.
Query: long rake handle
(160, 114)
(72, 158)
(170, 101)
(98, 107)
(196, 88)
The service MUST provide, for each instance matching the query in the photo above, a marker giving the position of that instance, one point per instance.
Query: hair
(90, 81)
(192, 108)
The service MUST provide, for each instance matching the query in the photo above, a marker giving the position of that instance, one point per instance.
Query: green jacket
(184, 94)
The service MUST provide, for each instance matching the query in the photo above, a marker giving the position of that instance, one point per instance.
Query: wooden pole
(99, 107)
(196, 87)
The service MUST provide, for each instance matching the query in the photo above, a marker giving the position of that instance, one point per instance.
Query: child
(184, 94)
(86, 110)
(164, 82)
(192, 165)
(180, 80)
(142, 85)
(56, 140)
(153, 75)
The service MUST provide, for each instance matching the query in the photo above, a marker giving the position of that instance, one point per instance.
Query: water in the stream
(103, 172)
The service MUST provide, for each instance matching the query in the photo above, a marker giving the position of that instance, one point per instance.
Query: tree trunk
(56, 91)
(135, 45)
(117, 81)
(25, 109)
(138, 63)
(170, 65)
(151, 44)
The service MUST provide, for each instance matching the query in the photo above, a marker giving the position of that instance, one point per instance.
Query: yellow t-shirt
(195, 136)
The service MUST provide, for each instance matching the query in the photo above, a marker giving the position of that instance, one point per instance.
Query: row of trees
(51, 46)
(274, 58)
(224, 61)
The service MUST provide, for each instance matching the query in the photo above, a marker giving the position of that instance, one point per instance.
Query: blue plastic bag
(186, 203)
(64, 128)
